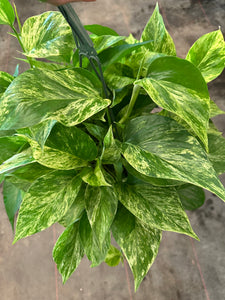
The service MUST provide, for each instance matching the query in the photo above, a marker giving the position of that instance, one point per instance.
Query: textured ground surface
(184, 269)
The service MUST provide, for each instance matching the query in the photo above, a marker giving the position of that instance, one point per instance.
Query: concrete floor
(184, 269)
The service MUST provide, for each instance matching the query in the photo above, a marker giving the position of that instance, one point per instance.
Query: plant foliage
(64, 159)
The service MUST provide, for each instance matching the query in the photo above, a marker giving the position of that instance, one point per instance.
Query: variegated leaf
(76, 209)
(138, 241)
(155, 30)
(208, 54)
(46, 202)
(48, 36)
(216, 149)
(5, 80)
(68, 251)
(101, 206)
(103, 42)
(16, 161)
(75, 151)
(94, 177)
(157, 146)
(157, 207)
(178, 86)
(68, 96)
(7, 15)
(39, 132)
(92, 249)
(24, 176)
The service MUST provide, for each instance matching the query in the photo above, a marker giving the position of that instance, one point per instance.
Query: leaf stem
(21, 44)
(133, 99)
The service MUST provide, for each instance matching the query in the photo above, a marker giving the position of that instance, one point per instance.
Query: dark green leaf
(7, 15)
(118, 76)
(68, 96)
(158, 207)
(26, 175)
(48, 36)
(100, 30)
(138, 241)
(68, 251)
(46, 202)
(208, 54)
(9, 146)
(114, 54)
(96, 131)
(155, 31)
(12, 200)
(101, 206)
(191, 196)
(94, 252)
(114, 256)
(157, 146)
(177, 86)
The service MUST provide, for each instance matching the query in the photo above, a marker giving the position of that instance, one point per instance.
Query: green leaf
(26, 175)
(157, 207)
(100, 30)
(114, 256)
(46, 202)
(9, 146)
(92, 249)
(5, 80)
(111, 152)
(208, 54)
(157, 146)
(101, 207)
(16, 161)
(216, 149)
(135, 177)
(138, 241)
(68, 251)
(76, 209)
(177, 86)
(48, 36)
(68, 96)
(7, 15)
(94, 177)
(96, 130)
(118, 76)
(103, 42)
(191, 196)
(39, 132)
(75, 151)
(215, 110)
(155, 30)
(114, 54)
(12, 199)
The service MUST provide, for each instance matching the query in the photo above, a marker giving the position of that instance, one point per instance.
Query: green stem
(21, 44)
(17, 18)
(133, 99)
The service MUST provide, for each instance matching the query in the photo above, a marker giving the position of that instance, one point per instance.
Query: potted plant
(126, 166)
